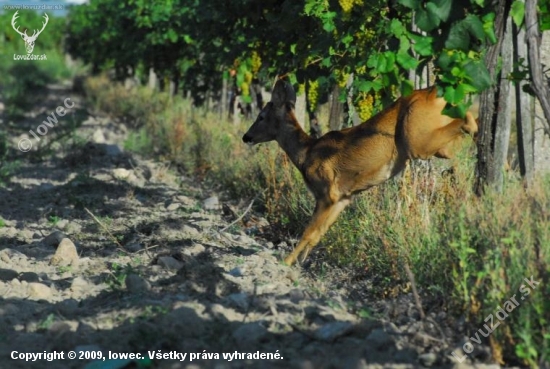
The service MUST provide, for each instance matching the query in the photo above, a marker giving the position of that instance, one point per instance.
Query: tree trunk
(300, 109)
(336, 110)
(223, 103)
(353, 117)
(315, 130)
(524, 115)
(174, 84)
(539, 82)
(487, 101)
(504, 115)
(152, 79)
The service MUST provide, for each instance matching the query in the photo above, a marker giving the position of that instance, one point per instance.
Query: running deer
(343, 163)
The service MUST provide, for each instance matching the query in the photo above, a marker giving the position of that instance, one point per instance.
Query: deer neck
(294, 141)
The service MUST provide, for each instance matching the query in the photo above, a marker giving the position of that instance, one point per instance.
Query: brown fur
(343, 163)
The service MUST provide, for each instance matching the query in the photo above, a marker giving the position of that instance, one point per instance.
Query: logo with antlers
(29, 40)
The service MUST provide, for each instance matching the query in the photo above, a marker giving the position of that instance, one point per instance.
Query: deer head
(272, 116)
(29, 40)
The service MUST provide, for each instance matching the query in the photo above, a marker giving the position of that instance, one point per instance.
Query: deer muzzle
(247, 139)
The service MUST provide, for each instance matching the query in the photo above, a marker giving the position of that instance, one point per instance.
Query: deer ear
(283, 93)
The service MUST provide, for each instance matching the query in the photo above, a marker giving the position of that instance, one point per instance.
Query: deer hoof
(290, 259)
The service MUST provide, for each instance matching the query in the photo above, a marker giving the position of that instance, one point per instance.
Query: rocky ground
(104, 253)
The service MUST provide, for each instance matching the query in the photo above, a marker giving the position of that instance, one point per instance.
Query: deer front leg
(324, 216)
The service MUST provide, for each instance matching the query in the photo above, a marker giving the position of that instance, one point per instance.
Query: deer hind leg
(449, 150)
(324, 216)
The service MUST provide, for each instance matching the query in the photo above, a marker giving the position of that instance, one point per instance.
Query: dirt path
(103, 253)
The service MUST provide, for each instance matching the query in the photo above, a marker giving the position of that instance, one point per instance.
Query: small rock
(225, 313)
(57, 328)
(293, 274)
(262, 222)
(186, 320)
(65, 254)
(39, 291)
(236, 272)
(190, 231)
(331, 331)
(29, 277)
(169, 262)
(121, 173)
(194, 250)
(112, 150)
(54, 238)
(391, 328)
(406, 356)
(62, 224)
(136, 284)
(73, 228)
(296, 295)
(79, 285)
(85, 329)
(378, 339)
(211, 203)
(239, 300)
(358, 363)
(427, 359)
(7, 274)
(134, 247)
(173, 206)
(67, 307)
(32, 326)
(245, 239)
(98, 136)
(25, 234)
(249, 334)
(9, 232)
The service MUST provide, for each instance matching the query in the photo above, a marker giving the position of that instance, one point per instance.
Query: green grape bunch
(347, 5)
(247, 77)
(342, 78)
(256, 62)
(365, 107)
(245, 89)
(313, 94)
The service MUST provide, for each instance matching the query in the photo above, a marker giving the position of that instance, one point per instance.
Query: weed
(63, 269)
(53, 220)
(118, 275)
(47, 322)
(7, 170)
